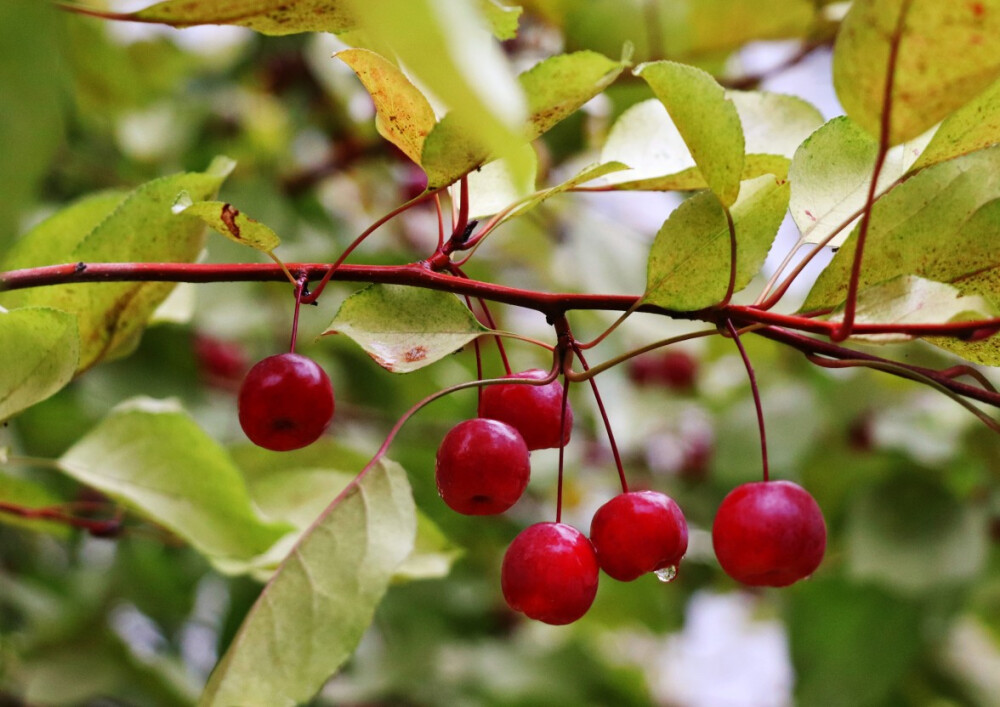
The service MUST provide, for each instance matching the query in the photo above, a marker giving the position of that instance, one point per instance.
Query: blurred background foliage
(905, 609)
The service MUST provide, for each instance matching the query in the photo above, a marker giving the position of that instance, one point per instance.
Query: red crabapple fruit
(285, 402)
(482, 467)
(639, 532)
(550, 573)
(533, 410)
(769, 533)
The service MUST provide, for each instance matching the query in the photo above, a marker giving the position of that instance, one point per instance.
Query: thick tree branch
(778, 327)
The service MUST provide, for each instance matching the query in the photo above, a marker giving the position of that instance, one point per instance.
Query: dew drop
(666, 574)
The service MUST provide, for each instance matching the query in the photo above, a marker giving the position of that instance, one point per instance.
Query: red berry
(769, 533)
(638, 532)
(533, 410)
(673, 369)
(285, 402)
(550, 573)
(482, 467)
(218, 360)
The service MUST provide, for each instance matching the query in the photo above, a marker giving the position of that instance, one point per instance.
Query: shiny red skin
(482, 467)
(638, 532)
(550, 573)
(769, 534)
(285, 402)
(533, 410)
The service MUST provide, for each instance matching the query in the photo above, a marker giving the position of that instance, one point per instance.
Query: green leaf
(447, 48)
(295, 487)
(230, 222)
(974, 126)
(834, 668)
(152, 457)
(774, 123)
(312, 614)
(909, 299)
(910, 534)
(40, 349)
(831, 174)
(403, 116)
(274, 17)
(503, 19)
(679, 29)
(405, 328)
(705, 118)
(689, 264)
(433, 553)
(558, 86)
(554, 89)
(29, 494)
(32, 122)
(924, 227)
(53, 240)
(947, 54)
(141, 228)
(646, 139)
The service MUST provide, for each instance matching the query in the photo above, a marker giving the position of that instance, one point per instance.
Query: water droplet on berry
(666, 574)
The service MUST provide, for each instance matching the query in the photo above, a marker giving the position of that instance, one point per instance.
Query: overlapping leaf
(645, 138)
(909, 299)
(152, 457)
(707, 121)
(554, 89)
(295, 487)
(140, 227)
(831, 174)
(679, 29)
(275, 17)
(974, 126)
(925, 227)
(689, 264)
(312, 614)
(405, 328)
(40, 349)
(946, 55)
(403, 116)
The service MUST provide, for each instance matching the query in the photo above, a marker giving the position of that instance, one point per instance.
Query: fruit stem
(604, 416)
(756, 395)
(314, 295)
(490, 322)
(562, 447)
(300, 287)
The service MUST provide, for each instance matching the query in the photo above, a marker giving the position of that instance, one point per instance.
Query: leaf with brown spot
(405, 328)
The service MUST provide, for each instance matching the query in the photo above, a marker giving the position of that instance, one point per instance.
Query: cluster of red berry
(765, 534)
(768, 533)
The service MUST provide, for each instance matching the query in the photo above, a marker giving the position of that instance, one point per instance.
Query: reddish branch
(784, 328)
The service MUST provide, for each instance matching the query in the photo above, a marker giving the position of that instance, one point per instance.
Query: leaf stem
(850, 305)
